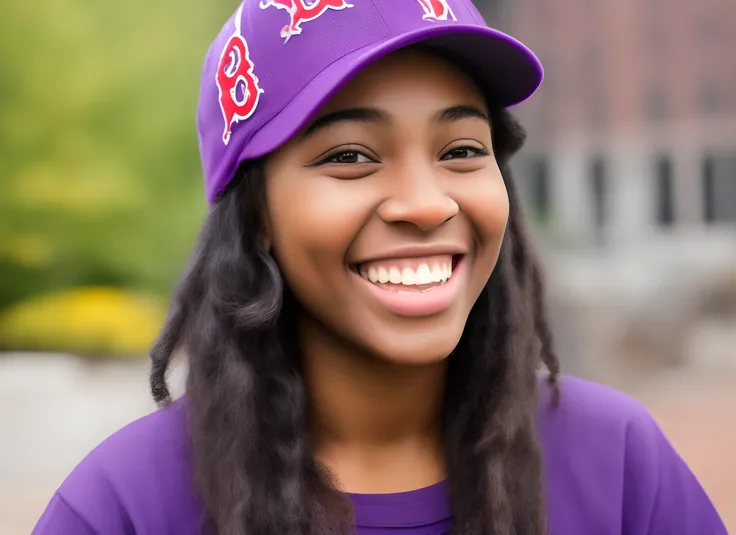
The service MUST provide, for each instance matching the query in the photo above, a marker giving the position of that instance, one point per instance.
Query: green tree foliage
(100, 179)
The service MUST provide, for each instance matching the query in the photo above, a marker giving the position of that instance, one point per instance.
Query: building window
(719, 188)
(664, 192)
(599, 192)
(707, 177)
(539, 188)
(490, 9)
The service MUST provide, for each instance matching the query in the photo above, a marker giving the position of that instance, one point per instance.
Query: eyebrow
(457, 113)
(377, 115)
(362, 115)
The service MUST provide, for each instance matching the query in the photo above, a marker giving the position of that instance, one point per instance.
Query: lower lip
(419, 304)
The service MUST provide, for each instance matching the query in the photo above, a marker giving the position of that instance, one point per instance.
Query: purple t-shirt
(609, 471)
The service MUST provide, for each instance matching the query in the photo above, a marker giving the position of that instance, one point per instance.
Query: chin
(416, 347)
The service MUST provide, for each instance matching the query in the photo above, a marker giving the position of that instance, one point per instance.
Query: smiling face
(386, 214)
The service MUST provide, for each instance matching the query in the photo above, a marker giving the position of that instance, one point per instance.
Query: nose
(419, 199)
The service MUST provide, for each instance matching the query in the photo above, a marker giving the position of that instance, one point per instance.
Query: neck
(366, 412)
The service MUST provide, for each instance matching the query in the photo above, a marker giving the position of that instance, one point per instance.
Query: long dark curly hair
(235, 319)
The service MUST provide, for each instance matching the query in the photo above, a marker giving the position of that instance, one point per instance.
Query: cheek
(312, 223)
(487, 207)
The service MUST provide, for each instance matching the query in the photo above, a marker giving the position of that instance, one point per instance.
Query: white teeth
(424, 275)
(407, 276)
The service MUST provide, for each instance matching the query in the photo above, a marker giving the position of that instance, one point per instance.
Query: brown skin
(355, 190)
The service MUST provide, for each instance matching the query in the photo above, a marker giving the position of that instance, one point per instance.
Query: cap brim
(506, 69)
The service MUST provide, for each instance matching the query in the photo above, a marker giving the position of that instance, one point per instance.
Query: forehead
(410, 75)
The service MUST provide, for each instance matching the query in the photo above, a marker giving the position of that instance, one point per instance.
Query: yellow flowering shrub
(94, 321)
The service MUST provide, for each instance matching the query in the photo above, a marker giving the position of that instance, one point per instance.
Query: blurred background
(628, 178)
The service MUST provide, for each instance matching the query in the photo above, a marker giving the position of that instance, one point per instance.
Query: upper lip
(414, 251)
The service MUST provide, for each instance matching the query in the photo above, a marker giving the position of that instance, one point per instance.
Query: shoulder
(154, 445)
(594, 421)
(590, 407)
(138, 479)
(589, 436)
(606, 455)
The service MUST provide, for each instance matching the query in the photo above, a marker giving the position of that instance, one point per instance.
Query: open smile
(415, 286)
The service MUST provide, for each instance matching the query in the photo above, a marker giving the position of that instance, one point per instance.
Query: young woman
(363, 314)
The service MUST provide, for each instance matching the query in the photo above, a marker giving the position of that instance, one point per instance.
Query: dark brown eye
(461, 153)
(349, 157)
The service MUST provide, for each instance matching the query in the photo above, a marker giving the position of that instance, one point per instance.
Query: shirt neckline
(421, 507)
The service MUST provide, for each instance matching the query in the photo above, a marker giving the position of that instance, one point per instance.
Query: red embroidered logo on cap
(238, 86)
(437, 10)
(302, 11)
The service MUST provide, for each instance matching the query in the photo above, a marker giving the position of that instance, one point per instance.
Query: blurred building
(629, 172)
(491, 9)
(634, 129)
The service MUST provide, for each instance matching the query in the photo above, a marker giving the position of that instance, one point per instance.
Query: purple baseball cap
(276, 62)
